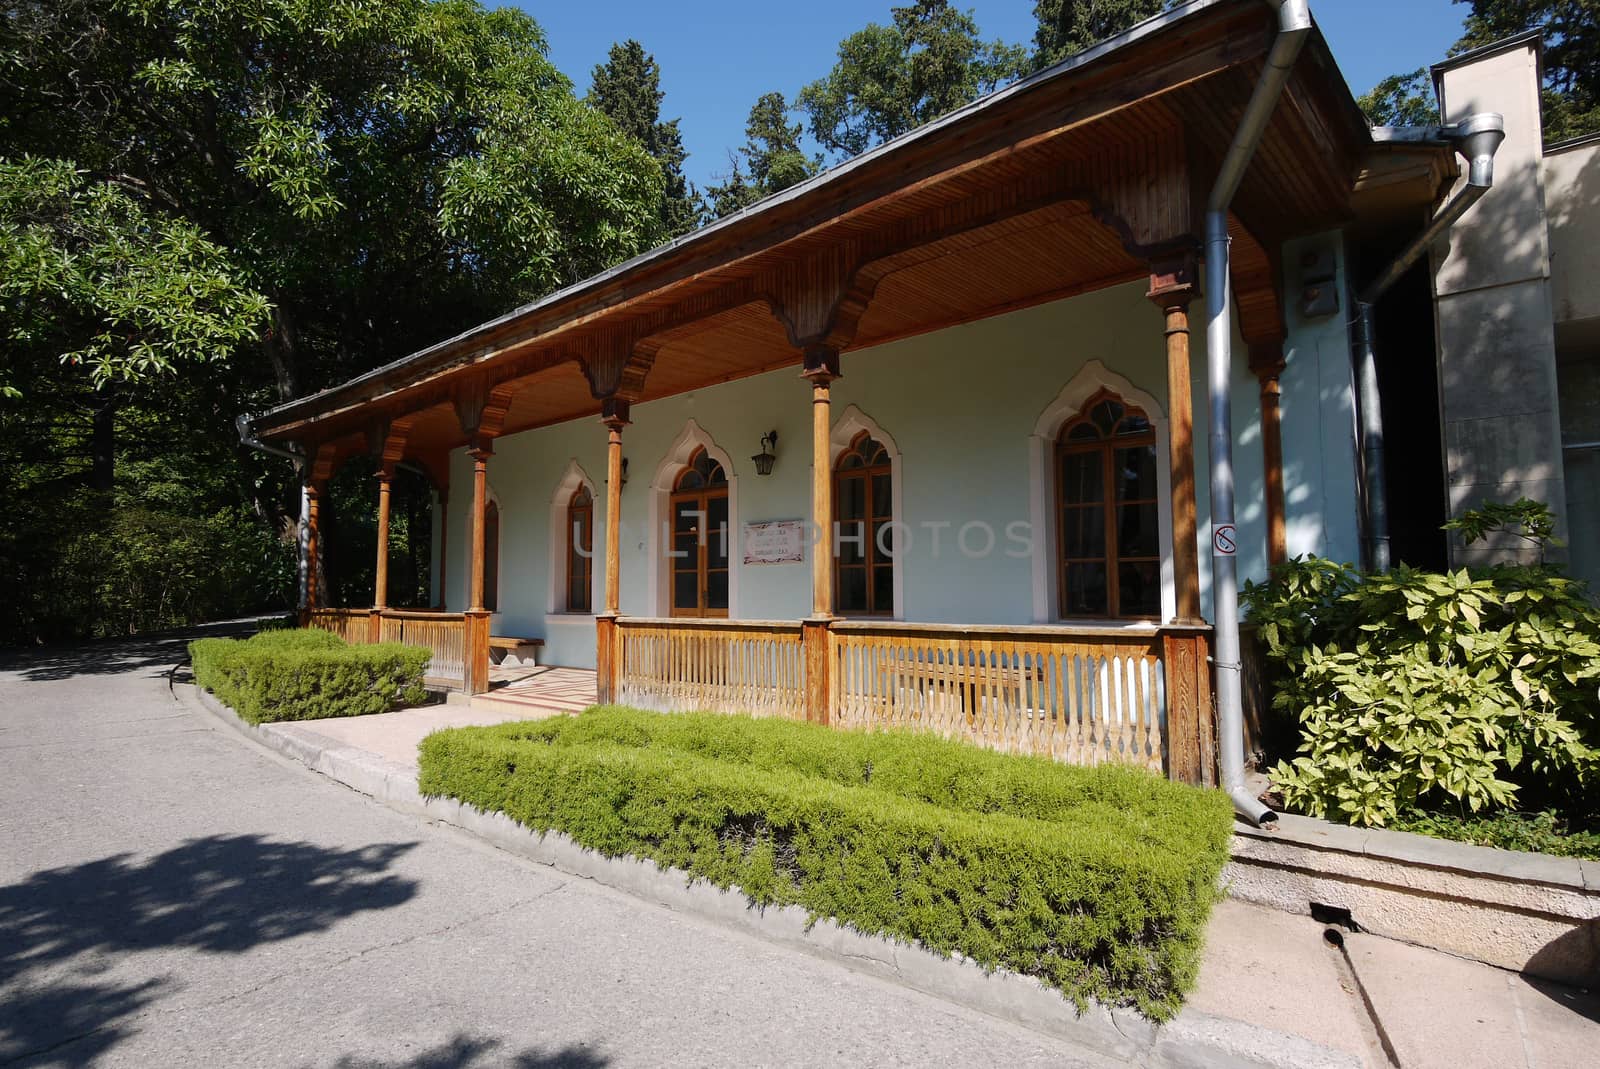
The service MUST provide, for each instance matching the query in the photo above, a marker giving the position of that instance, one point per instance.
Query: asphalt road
(171, 895)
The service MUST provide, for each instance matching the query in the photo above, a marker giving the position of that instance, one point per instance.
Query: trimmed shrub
(307, 674)
(1098, 881)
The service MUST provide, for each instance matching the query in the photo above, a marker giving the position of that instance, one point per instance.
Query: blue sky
(718, 56)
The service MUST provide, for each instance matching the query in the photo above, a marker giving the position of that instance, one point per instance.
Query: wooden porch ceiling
(1069, 182)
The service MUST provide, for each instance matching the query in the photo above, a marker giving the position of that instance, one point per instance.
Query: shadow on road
(157, 652)
(469, 1052)
(61, 928)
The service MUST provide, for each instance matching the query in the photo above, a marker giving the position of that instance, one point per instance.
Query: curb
(1191, 1041)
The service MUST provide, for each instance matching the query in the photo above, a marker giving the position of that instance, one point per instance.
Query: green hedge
(1097, 881)
(307, 675)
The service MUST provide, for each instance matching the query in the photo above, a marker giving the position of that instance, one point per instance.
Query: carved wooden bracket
(386, 442)
(481, 406)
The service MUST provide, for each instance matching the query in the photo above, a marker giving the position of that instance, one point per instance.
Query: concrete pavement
(197, 882)
(170, 895)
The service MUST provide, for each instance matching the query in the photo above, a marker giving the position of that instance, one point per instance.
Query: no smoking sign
(1225, 539)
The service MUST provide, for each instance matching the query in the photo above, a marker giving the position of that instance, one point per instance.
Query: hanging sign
(1225, 539)
(774, 542)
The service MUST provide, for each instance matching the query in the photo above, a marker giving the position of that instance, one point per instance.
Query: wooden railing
(459, 641)
(443, 634)
(1081, 696)
(352, 625)
(714, 665)
(1139, 696)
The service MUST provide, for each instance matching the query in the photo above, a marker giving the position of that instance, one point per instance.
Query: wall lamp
(765, 458)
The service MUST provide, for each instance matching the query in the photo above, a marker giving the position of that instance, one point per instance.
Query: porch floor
(545, 688)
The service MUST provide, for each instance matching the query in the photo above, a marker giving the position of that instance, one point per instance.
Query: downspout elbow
(247, 438)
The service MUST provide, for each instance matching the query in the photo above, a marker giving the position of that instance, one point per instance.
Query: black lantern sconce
(765, 458)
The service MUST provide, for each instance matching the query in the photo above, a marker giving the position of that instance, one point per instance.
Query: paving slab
(395, 736)
(1444, 1012)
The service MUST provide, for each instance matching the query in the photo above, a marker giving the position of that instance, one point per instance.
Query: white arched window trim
(683, 447)
(555, 598)
(1090, 380)
(849, 424)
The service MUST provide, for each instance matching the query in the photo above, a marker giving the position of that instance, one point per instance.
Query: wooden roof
(1077, 178)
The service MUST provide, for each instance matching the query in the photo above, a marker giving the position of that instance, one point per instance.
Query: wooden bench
(525, 650)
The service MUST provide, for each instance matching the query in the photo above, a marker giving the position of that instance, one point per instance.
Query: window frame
(1106, 446)
(870, 551)
(701, 497)
(579, 563)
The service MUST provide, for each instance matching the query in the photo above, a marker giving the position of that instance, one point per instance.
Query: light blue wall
(961, 404)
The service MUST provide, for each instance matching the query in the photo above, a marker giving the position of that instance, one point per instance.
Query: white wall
(960, 404)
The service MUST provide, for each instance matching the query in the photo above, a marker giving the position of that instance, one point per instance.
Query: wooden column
(821, 368)
(313, 544)
(380, 593)
(1266, 360)
(476, 668)
(614, 415)
(481, 452)
(1191, 723)
(1172, 287)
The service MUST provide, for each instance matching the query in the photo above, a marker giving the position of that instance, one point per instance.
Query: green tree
(627, 87)
(1401, 100)
(1571, 28)
(255, 198)
(1067, 27)
(891, 79)
(771, 160)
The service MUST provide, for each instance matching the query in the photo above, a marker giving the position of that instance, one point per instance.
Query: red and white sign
(1225, 539)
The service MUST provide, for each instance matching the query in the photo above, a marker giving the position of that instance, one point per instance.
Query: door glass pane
(852, 498)
(1083, 532)
(685, 515)
(852, 590)
(1086, 590)
(882, 500)
(1139, 589)
(685, 590)
(883, 588)
(717, 590)
(717, 534)
(852, 542)
(1136, 472)
(1137, 534)
(1081, 477)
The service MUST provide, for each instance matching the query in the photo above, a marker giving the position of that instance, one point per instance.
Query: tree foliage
(1570, 95)
(1067, 27)
(890, 79)
(267, 196)
(770, 161)
(627, 87)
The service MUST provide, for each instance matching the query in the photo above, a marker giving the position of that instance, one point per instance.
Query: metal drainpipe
(1477, 137)
(1294, 25)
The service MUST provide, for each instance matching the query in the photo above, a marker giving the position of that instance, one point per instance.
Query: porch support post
(614, 414)
(821, 368)
(1266, 360)
(313, 501)
(380, 593)
(1191, 722)
(475, 671)
(1172, 286)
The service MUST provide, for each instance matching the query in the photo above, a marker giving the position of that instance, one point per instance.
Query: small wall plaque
(775, 542)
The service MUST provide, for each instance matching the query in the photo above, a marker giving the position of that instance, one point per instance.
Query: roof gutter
(1477, 138)
(1294, 27)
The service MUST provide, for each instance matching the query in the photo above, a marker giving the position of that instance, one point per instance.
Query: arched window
(863, 504)
(698, 555)
(580, 551)
(1109, 544)
(491, 557)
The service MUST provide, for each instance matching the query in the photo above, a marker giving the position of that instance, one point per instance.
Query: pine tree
(771, 160)
(627, 88)
(1067, 27)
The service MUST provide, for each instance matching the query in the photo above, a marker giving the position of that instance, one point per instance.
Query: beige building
(1516, 292)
